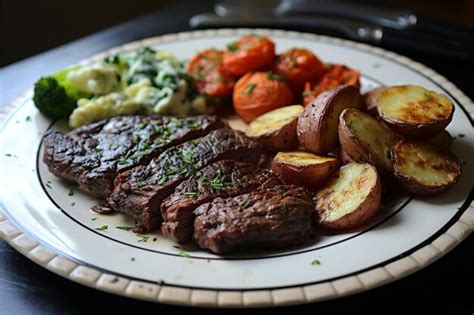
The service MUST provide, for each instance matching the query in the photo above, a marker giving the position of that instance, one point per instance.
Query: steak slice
(273, 217)
(220, 179)
(92, 155)
(140, 191)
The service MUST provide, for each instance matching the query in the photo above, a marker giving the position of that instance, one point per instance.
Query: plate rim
(422, 256)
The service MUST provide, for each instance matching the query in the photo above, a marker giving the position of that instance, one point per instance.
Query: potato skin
(311, 176)
(317, 125)
(412, 184)
(282, 139)
(442, 139)
(345, 158)
(370, 100)
(364, 211)
(358, 152)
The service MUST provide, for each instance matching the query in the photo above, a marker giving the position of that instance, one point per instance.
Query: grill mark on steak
(92, 155)
(273, 217)
(225, 178)
(140, 191)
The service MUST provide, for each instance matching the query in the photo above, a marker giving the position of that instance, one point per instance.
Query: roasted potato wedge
(442, 139)
(424, 168)
(304, 168)
(350, 198)
(413, 111)
(318, 123)
(366, 140)
(276, 130)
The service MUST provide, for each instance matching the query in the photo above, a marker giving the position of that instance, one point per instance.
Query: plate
(50, 221)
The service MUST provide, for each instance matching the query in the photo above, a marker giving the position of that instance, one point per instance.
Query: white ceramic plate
(405, 236)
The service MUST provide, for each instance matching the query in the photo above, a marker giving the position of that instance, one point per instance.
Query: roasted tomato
(249, 53)
(299, 66)
(335, 76)
(206, 70)
(259, 92)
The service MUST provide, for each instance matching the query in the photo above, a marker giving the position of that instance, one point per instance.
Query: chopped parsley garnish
(98, 150)
(48, 184)
(249, 89)
(461, 135)
(191, 194)
(315, 262)
(155, 239)
(73, 204)
(162, 180)
(284, 208)
(247, 203)
(144, 239)
(275, 77)
(8, 154)
(126, 228)
(93, 219)
(140, 184)
(233, 47)
(102, 228)
(219, 182)
(71, 193)
(187, 157)
(28, 118)
(184, 254)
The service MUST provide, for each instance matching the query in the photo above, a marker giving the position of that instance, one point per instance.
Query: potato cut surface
(273, 120)
(414, 105)
(375, 137)
(426, 165)
(346, 191)
(302, 158)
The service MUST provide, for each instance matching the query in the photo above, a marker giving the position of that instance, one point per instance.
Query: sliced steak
(140, 191)
(92, 155)
(273, 217)
(220, 179)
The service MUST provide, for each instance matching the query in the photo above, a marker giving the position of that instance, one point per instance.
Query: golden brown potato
(350, 198)
(304, 168)
(317, 125)
(366, 140)
(276, 130)
(413, 111)
(424, 168)
(442, 139)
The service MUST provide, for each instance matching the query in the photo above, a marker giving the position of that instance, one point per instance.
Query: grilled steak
(140, 191)
(93, 155)
(220, 179)
(273, 217)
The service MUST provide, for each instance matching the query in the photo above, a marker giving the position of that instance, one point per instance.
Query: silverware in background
(388, 27)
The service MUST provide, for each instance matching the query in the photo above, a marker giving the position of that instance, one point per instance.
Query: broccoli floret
(54, 96)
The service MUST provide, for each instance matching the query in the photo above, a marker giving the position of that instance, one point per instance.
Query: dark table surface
(26, 288)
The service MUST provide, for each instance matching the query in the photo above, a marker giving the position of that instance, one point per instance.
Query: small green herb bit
(28, 118)
(233, 47)
(284, 208)
(102, 228)
(315, 262)
(275, 77)
(93, 219)
(71, 193)
(192, 194)
(144, 239)
(73, 204)
(250, 88)
(184, 254)
(126, 228)
(461, 135)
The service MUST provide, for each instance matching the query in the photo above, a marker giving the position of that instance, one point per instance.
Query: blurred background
(30, 27)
